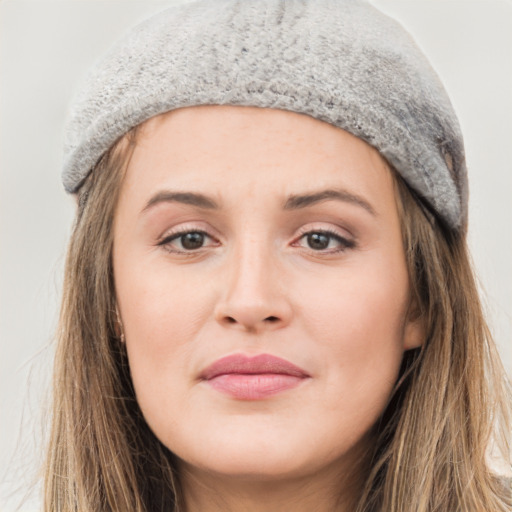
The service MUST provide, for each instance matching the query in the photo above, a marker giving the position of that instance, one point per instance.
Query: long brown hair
(430, 444)
(453, 395)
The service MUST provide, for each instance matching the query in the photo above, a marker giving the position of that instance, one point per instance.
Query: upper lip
(259, 364)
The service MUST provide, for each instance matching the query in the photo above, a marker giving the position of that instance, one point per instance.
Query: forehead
(224, 125)
(246, 151)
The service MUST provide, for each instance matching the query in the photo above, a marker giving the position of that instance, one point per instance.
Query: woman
(268, 301)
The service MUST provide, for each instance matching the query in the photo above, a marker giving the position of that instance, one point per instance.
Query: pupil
(192, 240)
(318, 240)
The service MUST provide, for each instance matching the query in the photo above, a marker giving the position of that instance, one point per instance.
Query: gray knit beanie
(339, 61)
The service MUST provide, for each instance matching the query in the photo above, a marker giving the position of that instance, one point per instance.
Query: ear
(415, 328)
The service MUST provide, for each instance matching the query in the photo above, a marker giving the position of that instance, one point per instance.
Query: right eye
(185, 241)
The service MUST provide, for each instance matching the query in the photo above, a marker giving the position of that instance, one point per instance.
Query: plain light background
(45, 49)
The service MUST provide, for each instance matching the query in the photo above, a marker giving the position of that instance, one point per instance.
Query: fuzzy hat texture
(339, 61)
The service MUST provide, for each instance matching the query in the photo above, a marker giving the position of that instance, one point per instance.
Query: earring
(119, 327)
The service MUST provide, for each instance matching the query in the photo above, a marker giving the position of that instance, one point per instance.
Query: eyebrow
(295, 202)
(192, 198)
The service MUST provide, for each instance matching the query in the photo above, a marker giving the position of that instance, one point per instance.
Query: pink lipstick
(253, 378)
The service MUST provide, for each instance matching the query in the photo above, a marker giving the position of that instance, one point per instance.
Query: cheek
(357, 322)
(162, 313)
(160, 304)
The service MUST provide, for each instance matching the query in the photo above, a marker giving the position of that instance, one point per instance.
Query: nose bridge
(253, 298)
(252, 267)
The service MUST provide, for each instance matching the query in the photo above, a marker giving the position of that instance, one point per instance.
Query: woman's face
(263, 289)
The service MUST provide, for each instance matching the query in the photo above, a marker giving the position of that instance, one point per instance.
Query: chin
(262, 458)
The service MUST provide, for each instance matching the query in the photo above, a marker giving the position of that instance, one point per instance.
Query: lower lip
(254, 387)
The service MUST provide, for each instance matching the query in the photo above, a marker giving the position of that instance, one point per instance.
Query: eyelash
(344, 242)
(166, 242)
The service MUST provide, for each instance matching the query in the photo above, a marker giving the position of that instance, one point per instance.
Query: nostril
(250, 322)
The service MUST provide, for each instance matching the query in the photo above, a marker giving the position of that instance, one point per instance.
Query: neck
(326, 490)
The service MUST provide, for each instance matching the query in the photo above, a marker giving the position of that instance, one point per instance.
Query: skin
(341, 311)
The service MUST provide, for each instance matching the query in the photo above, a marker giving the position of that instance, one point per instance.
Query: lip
(253, 378)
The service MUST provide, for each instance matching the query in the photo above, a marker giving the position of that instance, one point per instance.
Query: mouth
(253, 378)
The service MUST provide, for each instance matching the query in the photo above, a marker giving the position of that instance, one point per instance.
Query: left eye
(187, 241)
(322, 240)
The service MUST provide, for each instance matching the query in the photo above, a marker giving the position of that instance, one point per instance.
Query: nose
(253, 298)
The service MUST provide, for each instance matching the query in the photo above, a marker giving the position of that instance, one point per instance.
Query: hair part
(430, 444)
